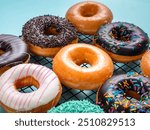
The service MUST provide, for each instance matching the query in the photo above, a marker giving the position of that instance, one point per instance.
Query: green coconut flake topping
(76, 107)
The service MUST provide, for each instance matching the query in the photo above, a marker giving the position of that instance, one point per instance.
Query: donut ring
(88, 16)
(125, 93)
(46, 96)
(45, 35)
(145, 64)
(13, 51)
(124, 42)
(66, 65)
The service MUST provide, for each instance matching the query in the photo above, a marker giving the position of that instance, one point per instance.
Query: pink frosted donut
(45, 80)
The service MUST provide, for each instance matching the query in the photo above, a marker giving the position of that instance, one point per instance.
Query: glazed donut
(76, 107)
(145, 64)
(13, 51)
(88, 16)
(124, 42)
(128, 93)
(66, 65)
(46, 96)
(45, 35)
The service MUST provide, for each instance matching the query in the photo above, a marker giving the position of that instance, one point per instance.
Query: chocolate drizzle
(123, 39)
(34, 31)
(114, 94)
(15, 50)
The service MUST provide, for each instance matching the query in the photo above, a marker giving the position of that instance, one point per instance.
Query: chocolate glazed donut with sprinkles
(45, 35)
(128, 93)
(123, 41)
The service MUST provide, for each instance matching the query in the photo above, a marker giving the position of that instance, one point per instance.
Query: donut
(45, 35)
(145, 64)
(76, 107)
(66, 64)
(88, 16)
(46, 96)
(129, 93)
(13, 51)
(123, 41)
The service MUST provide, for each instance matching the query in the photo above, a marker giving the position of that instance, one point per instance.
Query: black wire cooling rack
(74, 94)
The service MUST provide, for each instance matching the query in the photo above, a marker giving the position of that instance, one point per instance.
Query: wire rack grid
(74, 94)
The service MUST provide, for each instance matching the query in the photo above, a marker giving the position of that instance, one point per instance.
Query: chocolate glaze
(15, 50)
(34, 31)
(112, 96)
(123, 39)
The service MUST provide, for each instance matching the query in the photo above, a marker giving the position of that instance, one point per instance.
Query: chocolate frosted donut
(46, 34)
(34, 31)
(13, 51)
(125, 93)
(123, 39)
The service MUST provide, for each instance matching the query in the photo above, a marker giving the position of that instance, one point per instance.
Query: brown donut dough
(145, 64)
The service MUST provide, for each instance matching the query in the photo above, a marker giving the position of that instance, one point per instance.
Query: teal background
(14, 13)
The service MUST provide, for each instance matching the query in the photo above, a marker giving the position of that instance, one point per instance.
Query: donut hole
(121, 33)
(27, 84)
(50, 31)
(85, 65)
(4, 47)
(1, 52)
(89, 10)
(83, 57)
(131, 87)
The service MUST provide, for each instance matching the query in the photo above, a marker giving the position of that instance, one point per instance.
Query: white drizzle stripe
(41, 70)
(45, 76)
(38, 72)
(26, 102)
(35, 70)
(12, 91)
(21, 72)
(45, 89)
(28, 69)
(5, 92)
(17, 101)
(29, 101)
(7, 79)
(42, 74)
(12, 101)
